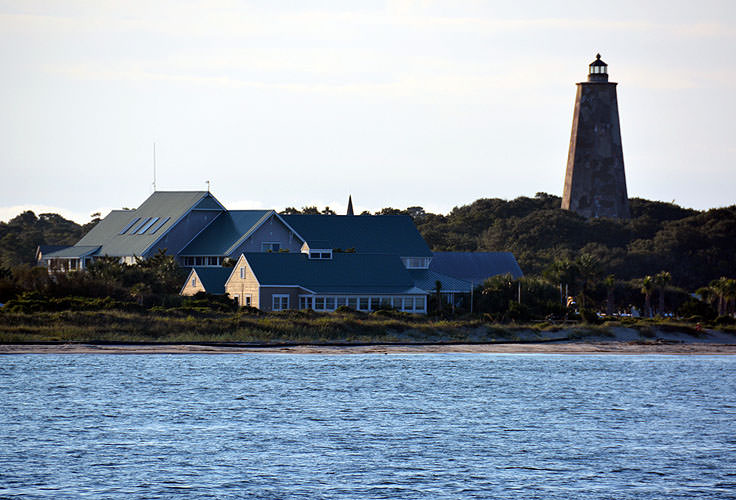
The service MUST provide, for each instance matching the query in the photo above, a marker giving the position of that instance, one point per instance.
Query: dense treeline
(651, 262)
(20, 236)
(695, 247)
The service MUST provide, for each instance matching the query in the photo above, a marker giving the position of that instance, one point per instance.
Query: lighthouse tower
(595, 182)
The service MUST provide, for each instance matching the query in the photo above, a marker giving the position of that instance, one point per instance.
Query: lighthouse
(595, 182)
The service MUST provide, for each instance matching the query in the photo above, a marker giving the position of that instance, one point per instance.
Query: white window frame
(278, 297)
(247, 300)
(242, 272)
(268, 245)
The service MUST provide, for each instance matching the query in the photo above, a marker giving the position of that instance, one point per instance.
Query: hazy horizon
(399, 103)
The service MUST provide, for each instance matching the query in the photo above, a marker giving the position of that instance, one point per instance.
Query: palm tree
(646, 288)
(563, 272)
(589, 270)
(610, 283)
(662, 279)
(724, 290)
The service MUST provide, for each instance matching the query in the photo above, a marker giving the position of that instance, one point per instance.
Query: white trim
(275, 296)
(181, 218)
(290, 228)
(187, 280)
(250, 231)
(196, 235)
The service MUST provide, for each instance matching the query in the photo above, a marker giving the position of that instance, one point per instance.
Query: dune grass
(293, 327)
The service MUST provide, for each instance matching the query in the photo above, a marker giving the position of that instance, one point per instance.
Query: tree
(438, 294)
(139, 291)
(661, 280)
(589, 272)
(610, 283)
(646, 288)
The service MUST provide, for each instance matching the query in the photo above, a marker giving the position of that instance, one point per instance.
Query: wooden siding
(191, 290)
(241, 287)
(267, 293)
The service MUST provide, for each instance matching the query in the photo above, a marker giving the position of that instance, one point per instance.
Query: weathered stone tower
(595, 182)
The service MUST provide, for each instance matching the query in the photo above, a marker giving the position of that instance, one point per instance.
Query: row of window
(203, 261)
(416, 262)
(142, 225)
(330, 303)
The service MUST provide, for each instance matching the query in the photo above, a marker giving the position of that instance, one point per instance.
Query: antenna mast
(154, 167)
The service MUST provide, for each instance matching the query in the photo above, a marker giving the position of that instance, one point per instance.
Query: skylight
(139, 225)
(147, 225)
(158, 226)
(129, 224)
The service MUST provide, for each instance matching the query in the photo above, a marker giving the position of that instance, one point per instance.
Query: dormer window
(320, 254)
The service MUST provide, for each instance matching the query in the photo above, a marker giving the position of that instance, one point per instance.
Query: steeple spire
(350, 205)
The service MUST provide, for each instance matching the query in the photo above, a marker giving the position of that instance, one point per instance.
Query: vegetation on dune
(649, 265)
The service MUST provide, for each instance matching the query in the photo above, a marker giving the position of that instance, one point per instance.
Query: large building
(595, 182)
(282, 261)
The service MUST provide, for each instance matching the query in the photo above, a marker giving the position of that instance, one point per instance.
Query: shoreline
(564, 347)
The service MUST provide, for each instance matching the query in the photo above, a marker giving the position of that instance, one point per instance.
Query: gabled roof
(367, 234)
(227, 231)
(142, 227)
(427, 279)
(212, 278)
(43, 250)
(351, 273)
(475, 267)
(72, 252)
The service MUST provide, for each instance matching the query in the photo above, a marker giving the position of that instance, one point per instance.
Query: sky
(398, 103)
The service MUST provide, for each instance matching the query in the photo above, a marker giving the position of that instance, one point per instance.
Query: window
(279, 302)
(305, 302)
(364, 303)
(415, 262)
(194, 281)
(199, 261)
(270, 246)
(242, 273)
(353, 302)
(187, 261)
(397, 302)
(342, 301)
(320, 254)
(128, 225)
(330, 303)
(236, 297)
(419, 304)
(159, 225)
(147, 225)
(375, 303)
(319, 303)
(246, 300)
(213, 261)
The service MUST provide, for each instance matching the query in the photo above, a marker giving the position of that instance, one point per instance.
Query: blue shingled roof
(427, 279)
(372, 234)
(475, 267)
(143, 227)
(225, 231)
(212, 278)
(345, 273)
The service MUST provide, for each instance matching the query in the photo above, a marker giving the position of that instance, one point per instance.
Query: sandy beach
(610, 347)
(620, 341)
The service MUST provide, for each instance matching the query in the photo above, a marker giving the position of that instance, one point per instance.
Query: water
(364, 427)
